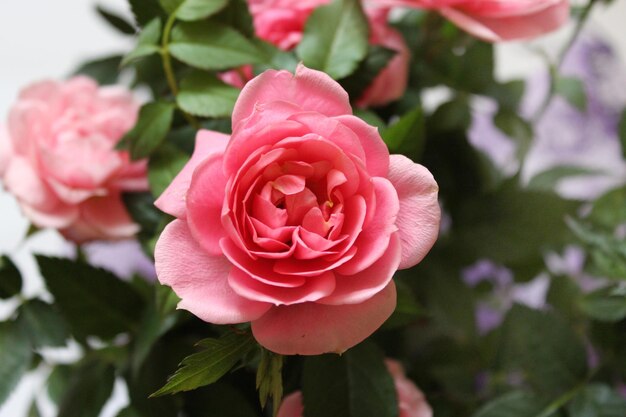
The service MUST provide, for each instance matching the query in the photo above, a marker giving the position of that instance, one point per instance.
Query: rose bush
(282, 22)
(411, 401)
(497, 20)
(298, 221)
(58, 157)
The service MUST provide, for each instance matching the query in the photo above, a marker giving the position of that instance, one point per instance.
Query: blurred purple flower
(565, 135)
(124, 258)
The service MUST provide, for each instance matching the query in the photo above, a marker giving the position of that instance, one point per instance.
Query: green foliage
(204, 95)
(269, 378)
(145, 10)
(599, 401)
(210, 45)
(10, 278)
(164, 166)
(116, 21)
(513, 404)
(103, 70)
(43, 324)
(155, 120)
(547, 180)
(572, 90)
(621, 128)
(374, 62)
(88, 389)
(209, 365)
(92, 301)
(191, 10)
(407, 133)
(335, 38)
(15, 357)
(356, 383)
(147, 42)
(606, 304)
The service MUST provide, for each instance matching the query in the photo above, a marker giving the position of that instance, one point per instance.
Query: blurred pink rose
(298, 221)
(411, 401)
(497, 20)
(281, 22)
(57, 157)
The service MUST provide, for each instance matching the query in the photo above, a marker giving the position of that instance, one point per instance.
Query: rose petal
(314, 329)
(201, 280)
(292, 406)
(419, 215)
(172, 201)
(376, 152)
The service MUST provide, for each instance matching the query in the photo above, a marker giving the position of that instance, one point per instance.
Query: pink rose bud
(58, 157)
(298, 221)
(411, 401)
(497, 20)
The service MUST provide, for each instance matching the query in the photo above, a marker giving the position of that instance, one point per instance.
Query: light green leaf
(355, 384)
(92, 300)
(10, 278)
(202, 94)
(547, 180)
(606, 304)
(597, 400)
(147, 43)
(209, 365)
(43, 324)
(572, 90)
(191, 10)
(155, 120)
(15, 357)
(269, 378)
(335, 38)
(408, 130)
(210, 45)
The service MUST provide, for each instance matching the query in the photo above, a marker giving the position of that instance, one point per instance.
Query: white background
(48, 38)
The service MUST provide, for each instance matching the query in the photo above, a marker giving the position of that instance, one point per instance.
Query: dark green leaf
(43, 324)
(116, 21)
(147, 43)
(141, 208)
(103, 70)
(155, 120)
(164, 166)
(15, 357)
(547, 180)
(407, 132)
(606, 304)
(516, 128)
(209, 365)
(128, 412)
(219, 400)
(58, 382)
(597, 401)
(89, 388)
(355, 384)
(546, 348)
(191, 10)
(92, 300)
(210, 45)
(10, 278)
(145, 10)
(609, 211)
(572, 90)
(513, 404)
(237, 15)
(202, 94)
(407, 309)
(376, 60)
(335, 38)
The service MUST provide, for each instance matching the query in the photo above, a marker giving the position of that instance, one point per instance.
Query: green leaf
(608, 253)
(147, 43)
(164, 166)
(237, 15)
(572, 90)
(407, 132)
(103, 70)
(191, 10)
(513, 404)
(546, 348)
(407, 309)
(10, 278)
(355, 384)
(92, 300)
(89, 388)
(516, 128)
(597, 400)
(622, 132)
(128, 412)
(155, 120)
(606, 304)
(376, 60)
(335, 38)
(547, 180)
(202, 94)
(145, 10)
(116, 21)
(15, 357)
(269, 378)
(219, 400)
(210, 45)
(209, 365)
(609, 210)
(58, 382)
(43, 324)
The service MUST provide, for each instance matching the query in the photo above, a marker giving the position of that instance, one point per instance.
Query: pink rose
(497, 20)
(411, 401)
(281, 22)
(298, 221)
(58, 158)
